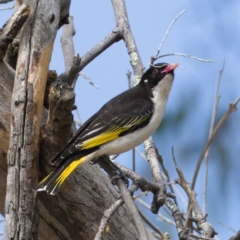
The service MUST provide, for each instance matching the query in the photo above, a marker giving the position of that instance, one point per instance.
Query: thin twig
(226, 226)
(161, 216)
(160, 160)
(214, 113)
(167, 32)
(79, 121)
(232, 108)
(142, 155)
(106, 217)
(151, 154)
(185, 55)
(133, 211)
(173, 157)
(89, 80)
(199, 218)
(150, 224)
(129, 73)
(183, 232)
(177, 192)
(12, 28)
(7, 8)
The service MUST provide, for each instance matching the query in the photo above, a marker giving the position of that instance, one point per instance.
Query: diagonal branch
(106, 217)
(231, 109)
(114, 36)
(214, 113)
(167, 32)
(199, 218)
(12, 28)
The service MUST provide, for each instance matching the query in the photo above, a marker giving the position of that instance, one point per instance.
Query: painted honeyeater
(120, 125)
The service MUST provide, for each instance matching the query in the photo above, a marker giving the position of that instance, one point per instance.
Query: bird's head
(157, 72)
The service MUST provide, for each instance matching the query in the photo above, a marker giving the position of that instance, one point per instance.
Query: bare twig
(150, 224)
(129, 73)
(12, 27)
(185, 55)
(89, 80)
(231, 109)
(79, 121)
(183, 232)
(226, 226)
(161, 216)
(215, 107)
(123, 23)
(67, 43)
(127, 198)
(111, 38)
(160, 160)
(141, 183)
(167, 32)
(7, 8)
(175, 188)
(151, 154)
(200, 219)
(133, 211)
(106, 217)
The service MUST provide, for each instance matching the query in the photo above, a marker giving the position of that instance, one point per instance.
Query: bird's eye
(155, 71)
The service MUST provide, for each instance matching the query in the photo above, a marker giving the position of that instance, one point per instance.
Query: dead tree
(36, 121)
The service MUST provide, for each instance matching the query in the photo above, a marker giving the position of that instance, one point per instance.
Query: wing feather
(118, 117)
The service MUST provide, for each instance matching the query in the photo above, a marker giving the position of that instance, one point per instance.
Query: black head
(157, 72)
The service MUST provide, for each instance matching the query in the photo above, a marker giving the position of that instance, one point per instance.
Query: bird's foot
(120, 176)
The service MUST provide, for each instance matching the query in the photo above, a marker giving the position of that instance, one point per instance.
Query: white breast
(129, 141)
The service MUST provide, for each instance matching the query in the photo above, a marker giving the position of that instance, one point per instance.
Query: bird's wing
(116, 118)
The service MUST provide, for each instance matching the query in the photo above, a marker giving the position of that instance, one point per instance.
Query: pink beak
(170, 68)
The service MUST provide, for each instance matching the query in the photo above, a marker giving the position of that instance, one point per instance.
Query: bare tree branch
(214, 113)
(167, 32)
(150, 224)
(232, 108)
(127, 198)
(199, 218)
(106, 217)
(123, 23)
(89, 80)
(12, 27)
(67, 43)
(161, 216)
(185, 55)
(7, 8)
(160, 197)
(112, 37)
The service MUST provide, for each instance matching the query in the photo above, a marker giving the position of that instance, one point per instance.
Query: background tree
(188, 112)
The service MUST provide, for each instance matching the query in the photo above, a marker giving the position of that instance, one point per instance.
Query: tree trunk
(75, 213)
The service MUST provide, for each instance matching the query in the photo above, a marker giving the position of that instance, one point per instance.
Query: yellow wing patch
(112, 133)
(102, 138)
(68, 171)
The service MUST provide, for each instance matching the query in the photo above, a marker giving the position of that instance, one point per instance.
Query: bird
(121, 124)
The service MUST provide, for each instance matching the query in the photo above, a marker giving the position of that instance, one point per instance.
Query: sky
(209, 30)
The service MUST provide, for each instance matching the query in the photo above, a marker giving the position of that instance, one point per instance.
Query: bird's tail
(52, 183)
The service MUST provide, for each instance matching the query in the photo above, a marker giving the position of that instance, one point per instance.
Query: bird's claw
(120, 176)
